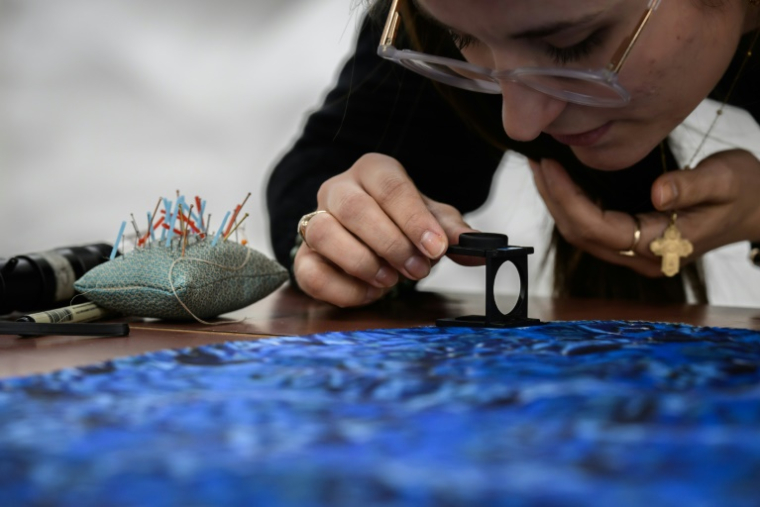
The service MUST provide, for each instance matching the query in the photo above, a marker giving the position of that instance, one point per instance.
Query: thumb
(665, 193)
(453, 224)
(451, 220)
(707, 183)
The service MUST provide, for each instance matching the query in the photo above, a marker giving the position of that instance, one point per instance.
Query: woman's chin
(610, 157)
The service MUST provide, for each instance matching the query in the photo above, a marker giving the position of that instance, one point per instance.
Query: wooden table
(287, 312)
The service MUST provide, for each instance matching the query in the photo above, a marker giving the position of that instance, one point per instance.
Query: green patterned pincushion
(160, 282)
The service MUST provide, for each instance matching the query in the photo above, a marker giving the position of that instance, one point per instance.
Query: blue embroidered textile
(568, 413)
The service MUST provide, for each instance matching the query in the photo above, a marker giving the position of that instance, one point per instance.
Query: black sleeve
(378, 106)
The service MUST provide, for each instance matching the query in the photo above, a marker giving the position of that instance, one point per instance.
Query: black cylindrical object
(43, 280)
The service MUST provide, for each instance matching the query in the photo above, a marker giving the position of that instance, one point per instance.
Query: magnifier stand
(496, 250)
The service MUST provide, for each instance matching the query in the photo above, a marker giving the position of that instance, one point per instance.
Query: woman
(394, 158)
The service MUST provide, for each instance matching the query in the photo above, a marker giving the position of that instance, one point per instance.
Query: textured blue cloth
(584, 413)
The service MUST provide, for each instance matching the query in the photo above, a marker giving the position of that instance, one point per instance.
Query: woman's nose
(526, 112)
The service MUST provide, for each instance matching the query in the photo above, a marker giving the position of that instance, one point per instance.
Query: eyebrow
(426, 14)
(532, 33)
(552, 28)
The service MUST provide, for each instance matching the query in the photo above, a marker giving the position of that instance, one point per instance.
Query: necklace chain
(671, 245)
(719, 112)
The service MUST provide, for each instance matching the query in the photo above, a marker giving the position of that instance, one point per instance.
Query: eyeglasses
(598, 88)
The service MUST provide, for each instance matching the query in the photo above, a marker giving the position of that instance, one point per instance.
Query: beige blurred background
(105, 106)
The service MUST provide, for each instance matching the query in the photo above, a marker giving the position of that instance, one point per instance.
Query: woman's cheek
(479, 54)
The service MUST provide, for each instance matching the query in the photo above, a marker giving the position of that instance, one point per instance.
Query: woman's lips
(584, 138)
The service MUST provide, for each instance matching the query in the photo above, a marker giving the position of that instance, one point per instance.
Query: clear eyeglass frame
(587, 87)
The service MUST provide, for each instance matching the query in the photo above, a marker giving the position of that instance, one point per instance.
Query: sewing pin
(236, 226)
(221, 228)
(115, 248)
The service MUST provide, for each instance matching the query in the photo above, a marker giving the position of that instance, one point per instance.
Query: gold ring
(631, 252)
(304, 221)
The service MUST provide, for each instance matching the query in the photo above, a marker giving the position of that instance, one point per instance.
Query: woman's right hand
(378, 227)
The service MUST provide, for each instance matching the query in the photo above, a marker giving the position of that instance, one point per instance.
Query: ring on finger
(631, 252)
(304, 222)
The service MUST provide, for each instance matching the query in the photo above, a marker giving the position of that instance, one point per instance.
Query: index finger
(395, 192)
(602, 233)
(581, 222)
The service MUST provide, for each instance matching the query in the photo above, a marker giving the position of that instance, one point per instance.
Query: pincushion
(160, 282)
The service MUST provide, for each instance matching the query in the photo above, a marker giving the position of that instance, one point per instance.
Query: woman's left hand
(718, 203)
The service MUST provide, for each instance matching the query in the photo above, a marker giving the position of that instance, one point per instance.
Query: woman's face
(679, 57)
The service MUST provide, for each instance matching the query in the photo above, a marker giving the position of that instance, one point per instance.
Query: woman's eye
(462, 41)
(576, 52)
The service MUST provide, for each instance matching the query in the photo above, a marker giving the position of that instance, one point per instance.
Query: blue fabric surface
(583, 413)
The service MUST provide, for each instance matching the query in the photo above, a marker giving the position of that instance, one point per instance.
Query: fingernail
(417, 266)
(386, 277)
(668, 194)
(373, 294)
(433, 244)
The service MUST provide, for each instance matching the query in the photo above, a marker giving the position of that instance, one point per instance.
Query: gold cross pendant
(671, 247)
